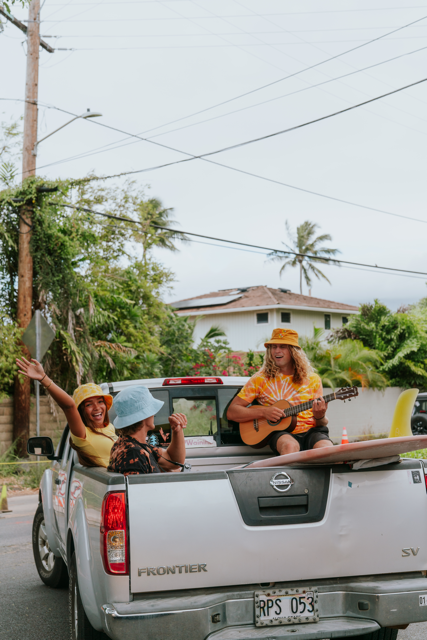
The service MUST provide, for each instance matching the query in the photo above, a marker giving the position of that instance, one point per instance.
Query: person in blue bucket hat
(135, 408)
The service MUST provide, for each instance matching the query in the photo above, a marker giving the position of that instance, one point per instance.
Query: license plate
(286, 606)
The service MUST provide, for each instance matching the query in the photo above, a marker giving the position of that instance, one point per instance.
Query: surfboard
(368, 450)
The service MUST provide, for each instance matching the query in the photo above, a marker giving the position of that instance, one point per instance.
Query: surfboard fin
(401, 423)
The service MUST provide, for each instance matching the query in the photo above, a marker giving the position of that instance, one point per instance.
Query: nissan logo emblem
(281, 482)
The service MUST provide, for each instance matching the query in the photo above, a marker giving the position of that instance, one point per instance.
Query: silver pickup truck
(224, 552)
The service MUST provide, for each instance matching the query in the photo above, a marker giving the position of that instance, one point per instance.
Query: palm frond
(214, 332)
(310, 249)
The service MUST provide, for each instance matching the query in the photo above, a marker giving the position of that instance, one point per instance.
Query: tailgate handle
(283, 501)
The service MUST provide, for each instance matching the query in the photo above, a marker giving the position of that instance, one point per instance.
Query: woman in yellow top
(92, 435)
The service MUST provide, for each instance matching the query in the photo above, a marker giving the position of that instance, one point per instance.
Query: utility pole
(21, 396)
(21, 399)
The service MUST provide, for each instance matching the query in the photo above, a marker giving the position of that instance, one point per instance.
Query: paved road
(31, 611)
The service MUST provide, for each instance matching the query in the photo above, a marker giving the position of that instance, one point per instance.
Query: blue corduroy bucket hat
(134, 404)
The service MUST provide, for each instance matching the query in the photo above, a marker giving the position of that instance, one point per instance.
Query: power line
(206, 159)
(292, 93)
(254, 140)
(241, 244)
(111, 146)
(226, 40)
(262, 253)
(23, 28)
(233, 33)
(272, 181)
(282, 79)
(292, 75)
(231, 168)
(238, 15)
(305, 124)
(296, 13)
(226, 46)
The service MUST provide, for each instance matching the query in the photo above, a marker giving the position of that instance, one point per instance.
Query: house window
(262, 318)
(285, 317)
(327, 320)
(344, 320)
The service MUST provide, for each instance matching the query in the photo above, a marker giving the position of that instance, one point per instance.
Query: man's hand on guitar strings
(273, 414)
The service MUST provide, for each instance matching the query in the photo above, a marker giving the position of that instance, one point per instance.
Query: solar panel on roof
(204, 302)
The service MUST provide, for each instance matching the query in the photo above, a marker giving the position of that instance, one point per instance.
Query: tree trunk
(21, 414)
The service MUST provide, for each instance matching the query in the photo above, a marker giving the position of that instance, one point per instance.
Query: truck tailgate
(222, 528)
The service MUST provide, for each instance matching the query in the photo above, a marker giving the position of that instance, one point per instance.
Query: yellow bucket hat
(283, 336)
(88, 391)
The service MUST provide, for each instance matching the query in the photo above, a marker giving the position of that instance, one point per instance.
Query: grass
(6, 460)
(421, 454)
(16, 475)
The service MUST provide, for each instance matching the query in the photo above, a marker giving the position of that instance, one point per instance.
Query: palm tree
(151, 215)
(305, 242)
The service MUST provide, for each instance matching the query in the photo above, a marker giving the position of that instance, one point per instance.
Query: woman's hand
(178, 421)
(32, 370)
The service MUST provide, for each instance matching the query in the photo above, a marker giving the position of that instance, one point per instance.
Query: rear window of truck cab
(206, 411)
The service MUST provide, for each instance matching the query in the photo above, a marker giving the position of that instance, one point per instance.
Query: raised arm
(176, 449)
(35, 371)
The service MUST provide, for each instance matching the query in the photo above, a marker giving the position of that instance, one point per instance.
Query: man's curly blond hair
(302, 366)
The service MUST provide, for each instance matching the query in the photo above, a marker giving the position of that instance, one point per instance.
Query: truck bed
(332, 522)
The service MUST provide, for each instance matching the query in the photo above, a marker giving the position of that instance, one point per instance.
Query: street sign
(38, 337)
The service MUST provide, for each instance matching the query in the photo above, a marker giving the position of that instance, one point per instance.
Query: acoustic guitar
(257, 432)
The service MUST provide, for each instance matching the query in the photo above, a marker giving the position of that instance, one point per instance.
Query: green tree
(347, 363)
(9, 351)
(7, 4)
(10, 151)
(151, 215)
(305, 242)
(180, 357)
(400, 338)
(103, 302)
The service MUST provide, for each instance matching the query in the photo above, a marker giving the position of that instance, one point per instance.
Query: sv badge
(411, 551)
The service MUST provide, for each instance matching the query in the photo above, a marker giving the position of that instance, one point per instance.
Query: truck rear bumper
(347, 609)
(329, 628)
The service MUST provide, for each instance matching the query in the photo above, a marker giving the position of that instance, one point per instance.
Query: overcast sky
(144, 64)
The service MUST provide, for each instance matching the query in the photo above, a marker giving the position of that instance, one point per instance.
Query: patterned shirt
(269, 390)
(130, 457)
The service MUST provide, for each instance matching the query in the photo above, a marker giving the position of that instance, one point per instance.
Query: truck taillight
(424, 467)
(169, 382)
(114, 535)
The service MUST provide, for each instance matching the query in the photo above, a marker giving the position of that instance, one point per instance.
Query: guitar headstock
(346, 392)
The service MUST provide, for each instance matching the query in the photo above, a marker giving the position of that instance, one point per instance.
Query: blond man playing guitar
(286, 375)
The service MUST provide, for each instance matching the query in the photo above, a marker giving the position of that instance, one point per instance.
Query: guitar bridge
(256, 427)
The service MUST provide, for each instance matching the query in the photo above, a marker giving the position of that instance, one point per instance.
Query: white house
(248, 315)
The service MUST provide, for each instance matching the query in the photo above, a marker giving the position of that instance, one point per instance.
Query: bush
(348, 362)
(400, 339)
(10, 334)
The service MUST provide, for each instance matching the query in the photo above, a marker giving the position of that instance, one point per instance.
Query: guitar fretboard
(298, 408)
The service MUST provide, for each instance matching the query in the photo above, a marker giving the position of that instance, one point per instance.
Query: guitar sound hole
(273, 424)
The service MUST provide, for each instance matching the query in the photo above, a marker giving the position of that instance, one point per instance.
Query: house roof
(250, 298)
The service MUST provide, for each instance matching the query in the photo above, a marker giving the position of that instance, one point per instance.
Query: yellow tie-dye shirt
(267, 391)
